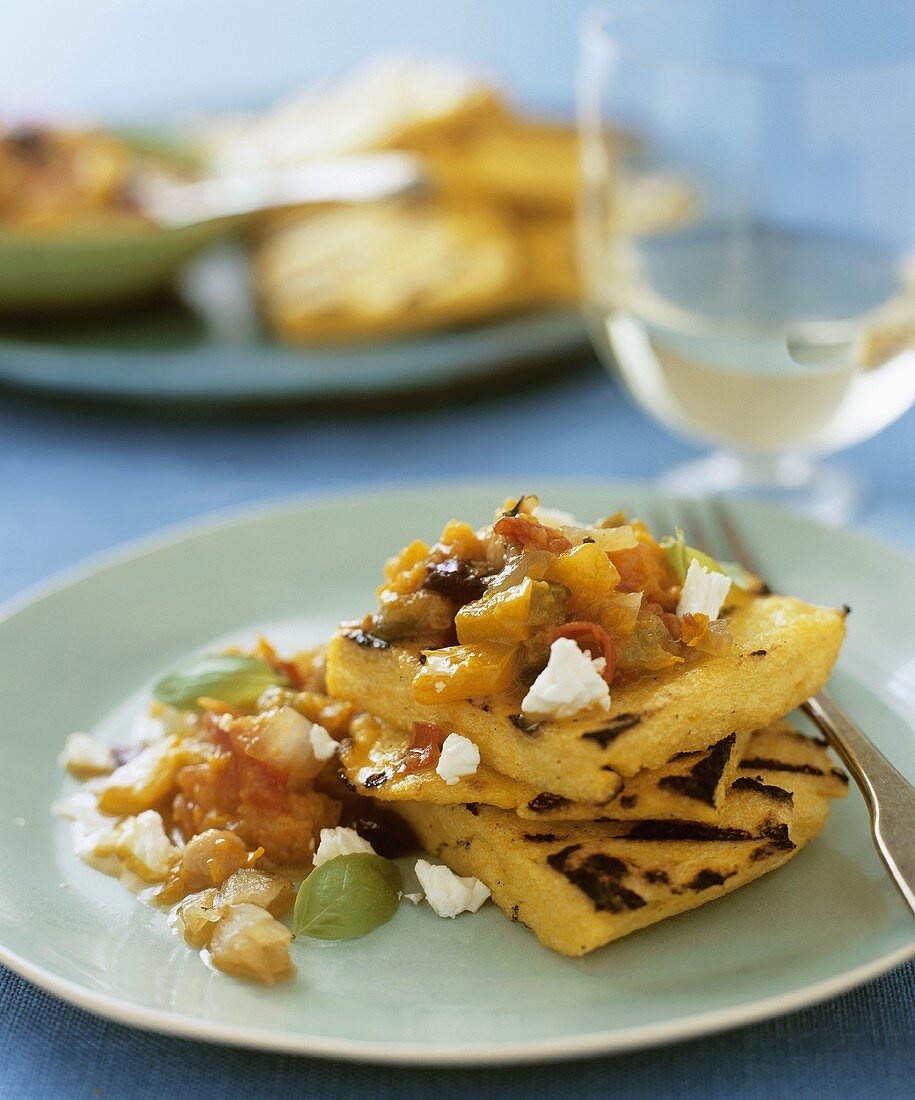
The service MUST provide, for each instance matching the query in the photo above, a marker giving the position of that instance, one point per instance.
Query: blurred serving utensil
(351, 179)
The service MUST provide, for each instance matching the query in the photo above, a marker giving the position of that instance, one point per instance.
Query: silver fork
(889, 796)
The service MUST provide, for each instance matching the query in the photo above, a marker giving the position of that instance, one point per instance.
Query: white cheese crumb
(339, 842)
(415, 898)
(703, 592)
(459, 757)
(146, 729)
(554, 517)
(322, 744)
(83, 756)
(144, 848)
(448, 893)
(95, 846)
(570, 683)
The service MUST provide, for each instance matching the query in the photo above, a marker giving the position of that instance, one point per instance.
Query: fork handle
(889, 796)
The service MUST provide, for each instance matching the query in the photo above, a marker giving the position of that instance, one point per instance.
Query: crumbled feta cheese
(570, 683)
(322, 744)
(554, 517)
(448, 893)
(459, 757)
(84, 756)
(143, 847)
(339, 842)
(94, 834)
(96, 845)
(415, 898)
(703, 592)
(146, 729)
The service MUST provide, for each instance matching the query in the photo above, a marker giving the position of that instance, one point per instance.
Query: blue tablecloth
(75, 480)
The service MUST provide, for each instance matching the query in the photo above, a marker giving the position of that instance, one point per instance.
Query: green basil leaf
(234, 678)
(347, 897)
(679, 556)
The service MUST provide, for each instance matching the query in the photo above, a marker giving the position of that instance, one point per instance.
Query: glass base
(827, 493)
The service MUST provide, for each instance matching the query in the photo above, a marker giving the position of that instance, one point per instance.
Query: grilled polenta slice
(385, 269)
(372, 755)
(582, 885)
(691, 787)
(780, 752)
(531, 165)
(783, 650)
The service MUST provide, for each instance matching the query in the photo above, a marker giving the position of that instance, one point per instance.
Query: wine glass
(746, 227)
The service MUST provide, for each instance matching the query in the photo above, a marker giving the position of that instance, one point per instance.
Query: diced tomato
(529, 532)
(643, 568)
(425, 747)
(579, 630)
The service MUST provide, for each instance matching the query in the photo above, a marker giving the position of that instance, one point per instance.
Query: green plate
(80, 653)
(91, 270)
(205, 347)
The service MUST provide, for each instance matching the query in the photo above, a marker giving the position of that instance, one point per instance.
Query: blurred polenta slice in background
(365, 272)
(528, 164)
(495, 233)
(393, 103)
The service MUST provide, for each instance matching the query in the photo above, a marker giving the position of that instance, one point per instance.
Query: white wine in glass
(762, 299)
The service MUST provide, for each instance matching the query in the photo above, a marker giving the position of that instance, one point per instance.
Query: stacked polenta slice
(588, 720)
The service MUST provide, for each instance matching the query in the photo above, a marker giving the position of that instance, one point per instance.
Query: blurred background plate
(208, 347)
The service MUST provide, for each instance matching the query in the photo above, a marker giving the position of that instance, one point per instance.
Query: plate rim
(516, 1052)
(315, 379)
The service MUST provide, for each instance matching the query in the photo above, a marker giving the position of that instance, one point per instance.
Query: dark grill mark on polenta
(657, 877)
(377, 779)
(684, 830)
(701, 781)
(627, 801)
(599, 877)
(524, 724)
(545, 803)
(387, 833)
(807, 738)
(708, 878)
(759, 653)
(472, 808)
(606, 735)
(745, 783)
(779, 838)
(542, 838)
(346, 781)
(837, 773)
(366, 640)
(764, 764)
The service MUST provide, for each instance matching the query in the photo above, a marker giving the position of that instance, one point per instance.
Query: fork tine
(737, 545)
(695, 529)
(658, 518)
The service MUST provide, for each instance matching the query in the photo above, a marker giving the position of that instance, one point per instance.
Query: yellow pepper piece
(465, 672)
(406, 571)
(512, 615)
(587, 572)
